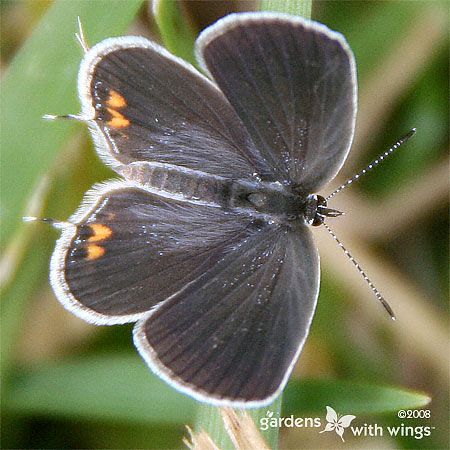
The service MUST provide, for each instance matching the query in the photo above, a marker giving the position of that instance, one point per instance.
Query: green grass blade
(296, 7)
(210, 420)
(177, 34)
(121, 387)
(311, 396)
(116, 388)
(42, 79)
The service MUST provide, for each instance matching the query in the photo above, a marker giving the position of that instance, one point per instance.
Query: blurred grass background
(67, 384)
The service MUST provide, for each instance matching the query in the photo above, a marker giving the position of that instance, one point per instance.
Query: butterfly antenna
(78, 117)
(54, 223)
(80, 36)
(377, 293)
(374, 163)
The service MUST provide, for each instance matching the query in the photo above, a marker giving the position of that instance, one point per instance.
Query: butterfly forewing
(148, 105)
(293, 84)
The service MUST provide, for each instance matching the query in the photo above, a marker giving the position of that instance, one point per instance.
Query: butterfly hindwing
(233, 337)
(126, 250)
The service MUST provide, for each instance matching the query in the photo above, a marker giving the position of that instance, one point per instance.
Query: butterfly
(204, 241)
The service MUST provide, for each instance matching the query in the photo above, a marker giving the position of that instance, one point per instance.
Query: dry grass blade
(394, 76)
(242, 430)
(199, 441)
(419, 327)
(430, 191)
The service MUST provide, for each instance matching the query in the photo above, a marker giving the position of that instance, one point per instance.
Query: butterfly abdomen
(180, 183)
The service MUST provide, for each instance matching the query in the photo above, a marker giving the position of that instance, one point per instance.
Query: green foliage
(310, 396)
(176, 31)
(101, 387)
(40, 80)
(120, 388)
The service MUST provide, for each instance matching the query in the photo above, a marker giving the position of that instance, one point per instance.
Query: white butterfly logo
(336, 423)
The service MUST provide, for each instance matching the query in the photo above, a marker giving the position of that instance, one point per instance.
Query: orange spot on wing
(100, 232)
(118, 120)
(115, 100)
(94, 251)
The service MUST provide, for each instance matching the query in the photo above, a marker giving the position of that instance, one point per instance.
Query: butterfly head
(317, 211)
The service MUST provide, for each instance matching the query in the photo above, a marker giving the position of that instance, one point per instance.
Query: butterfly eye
(315, 210)
(318, 220)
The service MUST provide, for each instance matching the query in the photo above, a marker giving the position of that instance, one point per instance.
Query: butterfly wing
(293, 84)
(126, 250)
(144, 104)
(233, 336)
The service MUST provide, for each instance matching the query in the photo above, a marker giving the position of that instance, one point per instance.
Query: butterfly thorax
(271, 200)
